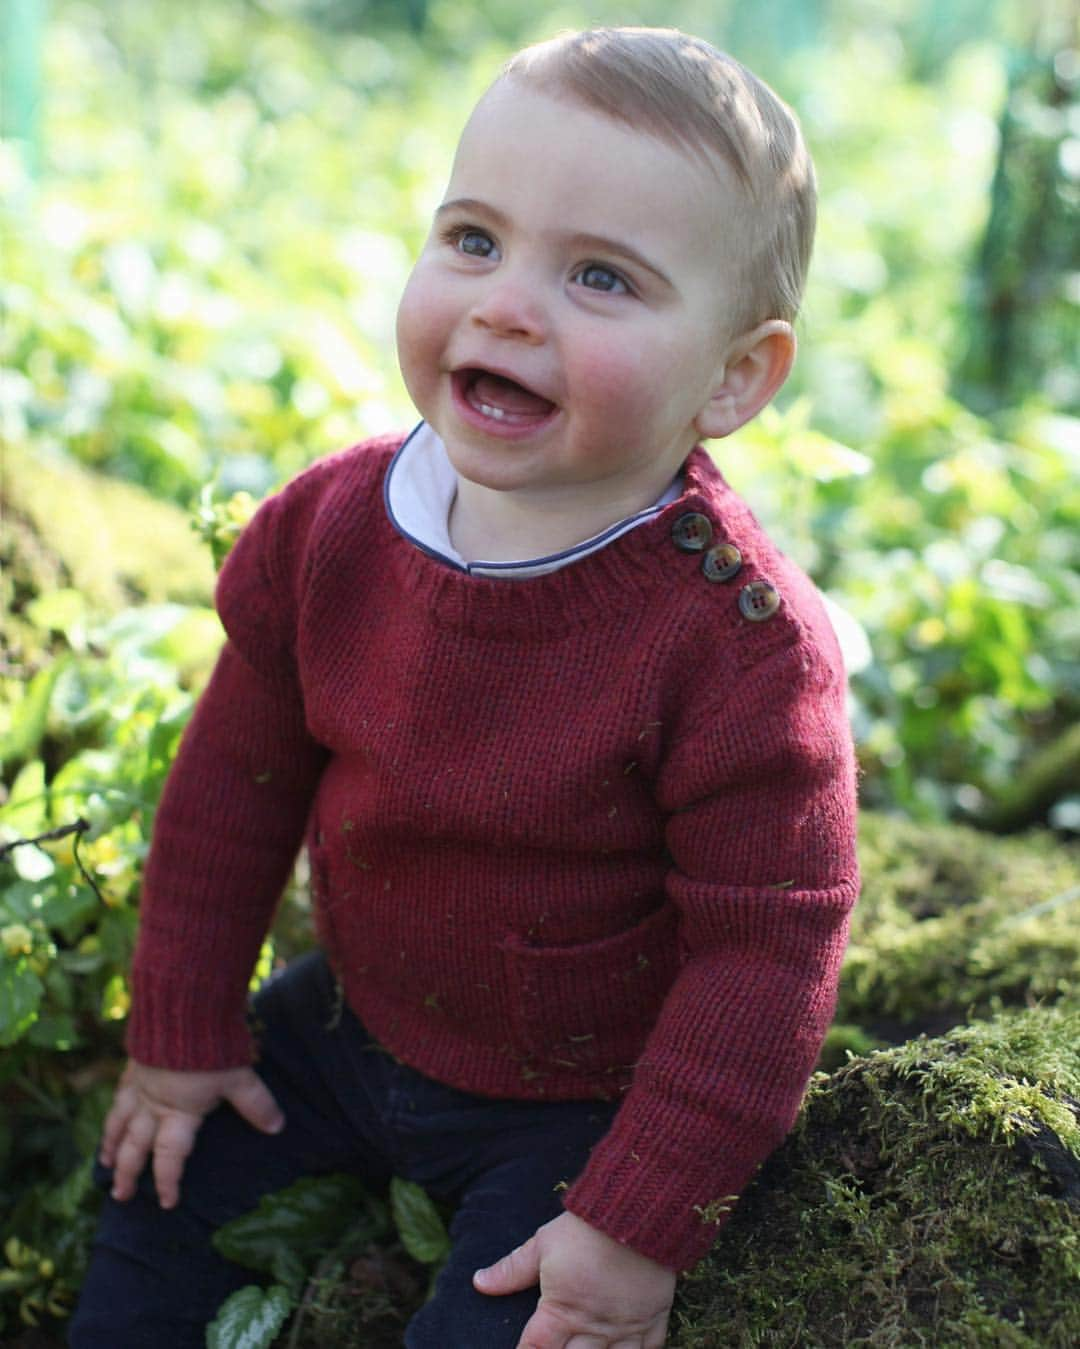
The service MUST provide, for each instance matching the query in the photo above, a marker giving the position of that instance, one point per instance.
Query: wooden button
(758, 601)
(722, 562)
(692, 532)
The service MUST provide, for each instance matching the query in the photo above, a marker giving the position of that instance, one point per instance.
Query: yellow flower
(16, 939)
(102, 853)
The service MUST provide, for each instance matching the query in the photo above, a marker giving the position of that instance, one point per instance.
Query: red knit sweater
(586, 834)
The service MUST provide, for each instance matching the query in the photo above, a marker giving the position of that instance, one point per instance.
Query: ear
(754, 368)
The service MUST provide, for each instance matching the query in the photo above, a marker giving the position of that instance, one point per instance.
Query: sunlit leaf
(59, 610)
(826, 459)
(25, 811)
(116, 999)
(29, 716)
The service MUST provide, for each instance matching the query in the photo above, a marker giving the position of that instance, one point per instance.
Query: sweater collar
(418, 492)
(622, 576)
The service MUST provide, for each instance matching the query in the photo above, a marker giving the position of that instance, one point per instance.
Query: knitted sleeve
(231, 817)
(763, 918)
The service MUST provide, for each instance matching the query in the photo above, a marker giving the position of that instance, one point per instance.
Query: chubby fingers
(554, 1333)
(172, 1146)
(554, 1338)
(123, 1107)
(647, 1341)
(589, 1341)
(130, 1150)
(166, 1138)
(520, 1269)
(252, 1099)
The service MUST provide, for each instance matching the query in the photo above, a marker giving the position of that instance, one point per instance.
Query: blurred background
(207, 213)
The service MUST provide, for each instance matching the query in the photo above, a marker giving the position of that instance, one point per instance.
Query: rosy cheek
(420, 329)
(608, 373)
(619, 387)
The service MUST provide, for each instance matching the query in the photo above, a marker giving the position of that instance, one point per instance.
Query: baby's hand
(593, 1291)
(159, 1111)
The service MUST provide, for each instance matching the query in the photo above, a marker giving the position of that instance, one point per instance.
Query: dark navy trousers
(154, 1278)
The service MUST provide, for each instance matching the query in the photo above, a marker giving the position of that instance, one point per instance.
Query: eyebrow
(600, 242)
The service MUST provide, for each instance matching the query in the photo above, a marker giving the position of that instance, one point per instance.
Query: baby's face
(563, 328)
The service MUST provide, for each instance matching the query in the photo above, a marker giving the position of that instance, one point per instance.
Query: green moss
(954, 922)
(111, 540)
(930, 1194)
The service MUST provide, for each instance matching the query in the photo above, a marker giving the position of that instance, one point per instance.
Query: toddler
(565, 735)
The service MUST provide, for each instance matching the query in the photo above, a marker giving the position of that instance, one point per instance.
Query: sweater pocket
(590, 1007)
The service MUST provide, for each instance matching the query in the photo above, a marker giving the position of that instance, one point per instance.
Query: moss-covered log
(954, 923)
(930, 1195)
(1047, 776)
(111, 540)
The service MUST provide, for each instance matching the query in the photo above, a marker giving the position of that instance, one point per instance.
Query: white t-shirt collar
(419, 491)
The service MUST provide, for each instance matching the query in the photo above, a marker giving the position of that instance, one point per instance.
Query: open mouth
(499, 399)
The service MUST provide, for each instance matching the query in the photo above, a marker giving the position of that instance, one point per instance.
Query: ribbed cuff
(667, 1206)
(189, 1026)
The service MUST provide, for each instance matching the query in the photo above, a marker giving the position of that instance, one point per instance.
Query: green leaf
(18, 902)
(30, 716)
(54, 1032)
(20, 996)
(24, 811)
(58, 610)
(419, 1226)
(192, 642)
(290, 1229)
(70, 910)
(65, 1199)
(250, 1318)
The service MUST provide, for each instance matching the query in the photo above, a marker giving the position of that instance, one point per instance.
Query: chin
(493, 477)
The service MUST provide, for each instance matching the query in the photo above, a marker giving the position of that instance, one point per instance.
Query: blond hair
(689, 94)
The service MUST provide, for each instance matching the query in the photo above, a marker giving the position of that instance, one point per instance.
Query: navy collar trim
(418, 491)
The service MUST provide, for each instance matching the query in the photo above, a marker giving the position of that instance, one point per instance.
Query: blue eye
(474, 243)
(595, 276)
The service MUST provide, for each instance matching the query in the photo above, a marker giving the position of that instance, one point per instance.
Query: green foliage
(85, 743)
(957, 552)
(250, 1318)
(929, 1195)
(304, 1232)
(199, 287)
(30, 1278)
(219, 523)
(421, 1229)
(95, 740)
(289, 1229)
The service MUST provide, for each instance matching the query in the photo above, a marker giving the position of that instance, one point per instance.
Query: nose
(510, 307)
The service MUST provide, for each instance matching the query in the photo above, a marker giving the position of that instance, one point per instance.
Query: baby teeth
(489, 411)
